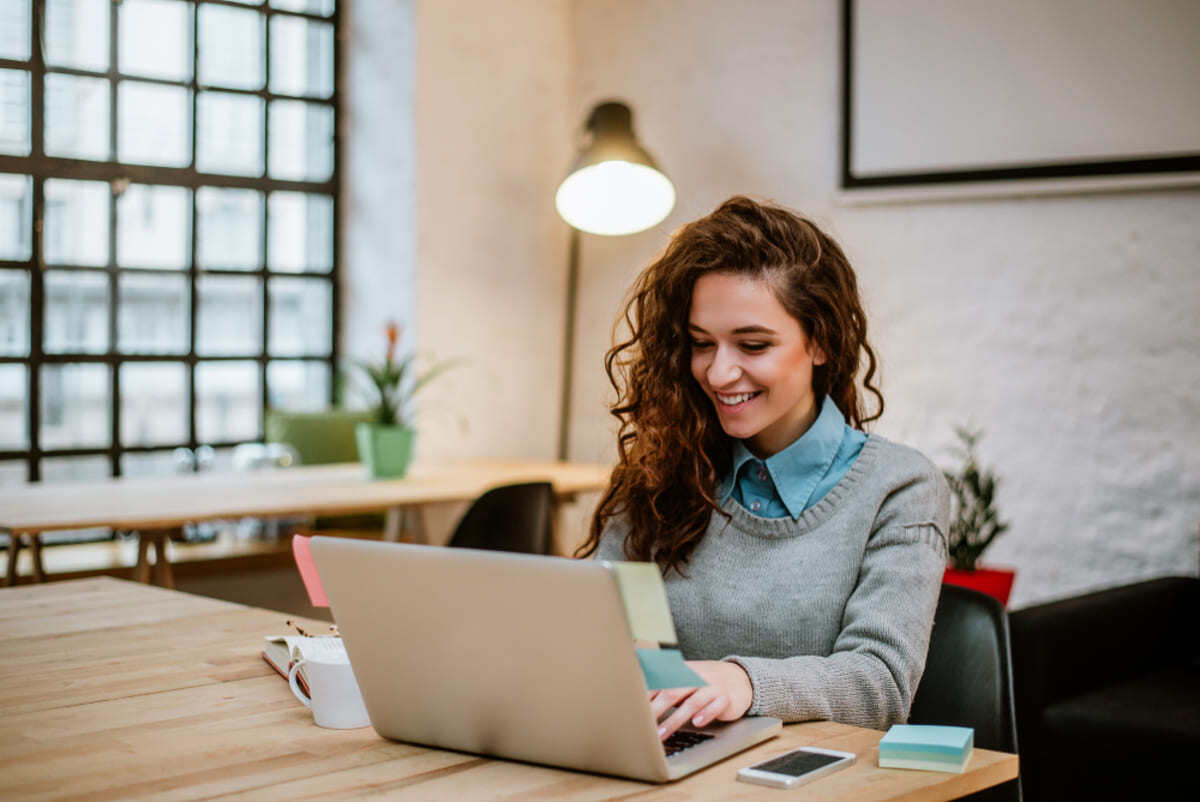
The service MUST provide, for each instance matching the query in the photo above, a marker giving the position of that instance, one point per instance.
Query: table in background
(156, 507)
(114, 690)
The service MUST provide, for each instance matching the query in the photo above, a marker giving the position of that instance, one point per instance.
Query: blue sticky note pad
(665, 668)
(926, 746)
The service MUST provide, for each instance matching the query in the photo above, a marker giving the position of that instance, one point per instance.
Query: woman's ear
(818, 353)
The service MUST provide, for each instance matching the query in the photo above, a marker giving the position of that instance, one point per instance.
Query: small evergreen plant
(391, 384)
(974, 520)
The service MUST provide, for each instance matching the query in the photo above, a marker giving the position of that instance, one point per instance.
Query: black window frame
(38, 167)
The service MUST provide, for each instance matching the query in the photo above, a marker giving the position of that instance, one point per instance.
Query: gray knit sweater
(829, 614)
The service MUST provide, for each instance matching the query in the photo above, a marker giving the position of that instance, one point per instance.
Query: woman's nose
(723, 371)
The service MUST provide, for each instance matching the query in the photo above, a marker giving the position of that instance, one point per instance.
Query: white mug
(336, 701)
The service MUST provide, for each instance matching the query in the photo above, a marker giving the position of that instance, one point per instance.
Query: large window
(168, 192)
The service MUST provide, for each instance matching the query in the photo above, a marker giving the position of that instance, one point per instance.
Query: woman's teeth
(734, 400)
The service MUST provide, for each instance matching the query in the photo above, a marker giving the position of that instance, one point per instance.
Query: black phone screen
(793, 764)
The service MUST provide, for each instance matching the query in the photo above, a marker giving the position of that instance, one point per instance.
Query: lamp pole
(564, 414)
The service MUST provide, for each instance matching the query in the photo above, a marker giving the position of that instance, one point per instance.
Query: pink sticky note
(308, 571)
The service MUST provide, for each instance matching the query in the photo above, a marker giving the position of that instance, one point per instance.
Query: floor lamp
(613, 188)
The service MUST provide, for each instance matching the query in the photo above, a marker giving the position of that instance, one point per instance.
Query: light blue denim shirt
(800, 475)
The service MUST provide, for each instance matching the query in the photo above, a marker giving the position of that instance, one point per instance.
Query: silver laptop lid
(517, 656)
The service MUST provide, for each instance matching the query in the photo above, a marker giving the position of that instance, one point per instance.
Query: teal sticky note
(665, 668)
(645, 600)
(926, 747)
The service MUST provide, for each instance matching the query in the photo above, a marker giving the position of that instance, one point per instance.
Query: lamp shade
(614, 187)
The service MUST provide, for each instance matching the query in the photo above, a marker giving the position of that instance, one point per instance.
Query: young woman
(802, 557)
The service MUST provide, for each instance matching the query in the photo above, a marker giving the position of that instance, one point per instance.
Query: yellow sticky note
(645, 600)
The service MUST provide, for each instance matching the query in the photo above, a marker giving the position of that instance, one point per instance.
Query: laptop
(510, 655)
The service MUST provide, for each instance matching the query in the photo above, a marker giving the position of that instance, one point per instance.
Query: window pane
(154, 403)
(16, 203)
(75, 469)
(298, 386)
(155, 38)
(75, 406)
(301, 146)
(301, 314)
(13, 417)
(76, 33)
(14, 29)
(77, 117)
(152, 317)
(229, 315)
(152, 463)
(322, 7)
(76, 312)
(229, 234)
(153, 124)
(230, 134)
(14, 313)
(227, 401)
(76, 229)
(153, 227)
(14, 112)
(301, 233)
(13, 472)
(231, 47)
(301, 57)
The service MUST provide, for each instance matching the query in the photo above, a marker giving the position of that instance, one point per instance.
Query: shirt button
(756, 506)
(762, 474)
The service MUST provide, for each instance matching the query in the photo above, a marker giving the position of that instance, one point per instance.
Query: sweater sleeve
(879, 655)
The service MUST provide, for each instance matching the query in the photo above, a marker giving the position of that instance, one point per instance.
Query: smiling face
(753, 361)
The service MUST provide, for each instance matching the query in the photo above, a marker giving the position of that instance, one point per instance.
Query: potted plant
(385, 443)
(974, 523)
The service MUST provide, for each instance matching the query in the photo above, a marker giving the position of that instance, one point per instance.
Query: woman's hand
(726, 697)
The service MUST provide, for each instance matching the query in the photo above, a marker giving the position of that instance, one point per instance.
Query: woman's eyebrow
(738, 330)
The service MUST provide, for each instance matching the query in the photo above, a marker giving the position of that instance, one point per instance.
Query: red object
(995, 582)
(308, 571)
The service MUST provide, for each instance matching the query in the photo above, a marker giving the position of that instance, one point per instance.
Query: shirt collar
(797, 469)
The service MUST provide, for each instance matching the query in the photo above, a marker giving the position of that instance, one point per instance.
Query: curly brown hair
(672, 450)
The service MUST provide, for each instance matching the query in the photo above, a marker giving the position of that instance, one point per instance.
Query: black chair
(968, 677)
(1108, 692)
(508, 518)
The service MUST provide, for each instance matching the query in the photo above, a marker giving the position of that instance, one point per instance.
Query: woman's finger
(688, 708)
(668, 698)
(710, 712)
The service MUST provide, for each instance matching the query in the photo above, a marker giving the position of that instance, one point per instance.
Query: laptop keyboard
(678, 741)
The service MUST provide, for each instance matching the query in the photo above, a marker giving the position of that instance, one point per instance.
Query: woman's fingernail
(698, 721)
(662, 732)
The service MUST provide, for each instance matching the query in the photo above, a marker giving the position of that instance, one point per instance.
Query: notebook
(509, 655)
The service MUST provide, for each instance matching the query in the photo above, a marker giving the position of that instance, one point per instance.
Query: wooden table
(158, 506)
(114, 690)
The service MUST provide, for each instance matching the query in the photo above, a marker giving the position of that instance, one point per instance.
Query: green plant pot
(385, 450)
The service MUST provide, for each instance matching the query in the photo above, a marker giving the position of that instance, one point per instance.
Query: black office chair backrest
(968, 675)
(508, 518)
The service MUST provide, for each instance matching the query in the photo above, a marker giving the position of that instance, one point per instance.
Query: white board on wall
(955, 86)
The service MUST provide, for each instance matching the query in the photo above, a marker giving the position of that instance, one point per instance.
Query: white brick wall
(1066, 327)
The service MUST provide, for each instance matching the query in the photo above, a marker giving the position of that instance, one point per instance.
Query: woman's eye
(700, 345)
(754, 348)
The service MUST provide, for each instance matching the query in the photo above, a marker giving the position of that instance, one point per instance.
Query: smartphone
(796, 767)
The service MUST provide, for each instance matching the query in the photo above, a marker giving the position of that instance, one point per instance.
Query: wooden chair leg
(141, 571)
(35, 551)
(163, 575)
(14, 550)
(392, 524)
(162, 572)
